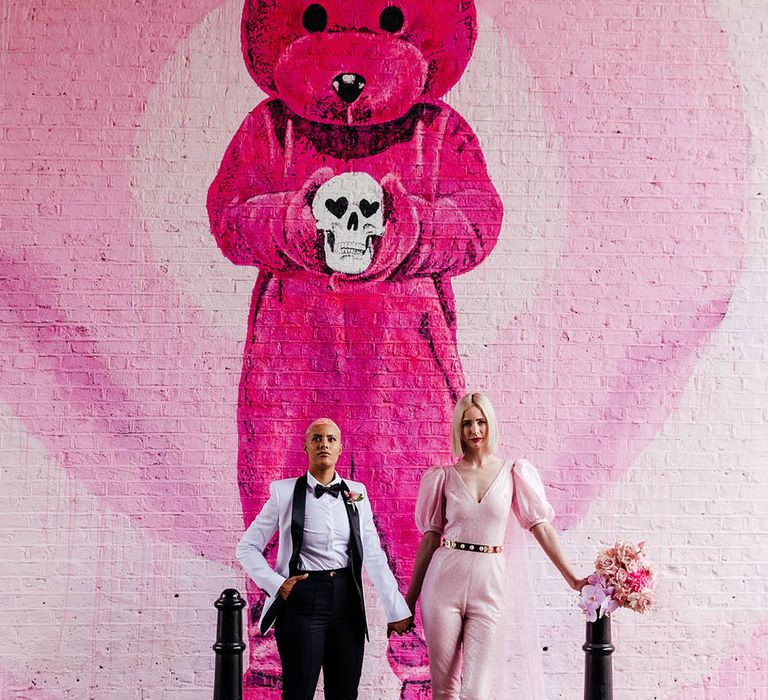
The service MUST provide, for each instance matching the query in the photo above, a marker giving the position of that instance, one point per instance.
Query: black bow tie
(333, 490)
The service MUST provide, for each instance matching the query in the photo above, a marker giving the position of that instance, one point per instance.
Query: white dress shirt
(326, 530)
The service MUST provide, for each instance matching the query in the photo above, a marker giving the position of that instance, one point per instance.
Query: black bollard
(229, 647)
(598, 671)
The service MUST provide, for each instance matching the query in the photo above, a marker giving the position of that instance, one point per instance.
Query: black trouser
(318, 626)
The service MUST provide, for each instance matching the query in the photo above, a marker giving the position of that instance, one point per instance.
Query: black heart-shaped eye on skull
(348, 210)
(337, 207)
(368, 209)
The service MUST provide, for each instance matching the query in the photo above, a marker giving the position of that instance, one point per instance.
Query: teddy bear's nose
(348, 86)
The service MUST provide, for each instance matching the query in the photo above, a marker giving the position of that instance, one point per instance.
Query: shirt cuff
(273, 586)
(400, 612)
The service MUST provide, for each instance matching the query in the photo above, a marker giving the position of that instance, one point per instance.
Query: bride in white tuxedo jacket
(315, 601)
(275, 516)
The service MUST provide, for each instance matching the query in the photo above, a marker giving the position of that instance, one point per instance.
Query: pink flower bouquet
(623, 578)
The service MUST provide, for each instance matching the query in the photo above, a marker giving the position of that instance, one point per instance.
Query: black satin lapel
(355, 551)
(298, 507)
(275, 606)
(354, 523)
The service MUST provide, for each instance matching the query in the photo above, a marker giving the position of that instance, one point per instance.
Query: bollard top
(230, 599)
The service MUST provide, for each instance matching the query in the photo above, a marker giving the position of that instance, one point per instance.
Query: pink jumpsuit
(463, 596)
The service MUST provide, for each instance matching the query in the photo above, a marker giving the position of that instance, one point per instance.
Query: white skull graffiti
(348, 209)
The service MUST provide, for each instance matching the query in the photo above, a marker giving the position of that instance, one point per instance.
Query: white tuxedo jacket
(275, 516)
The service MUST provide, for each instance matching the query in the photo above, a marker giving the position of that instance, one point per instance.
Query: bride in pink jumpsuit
(462, 512)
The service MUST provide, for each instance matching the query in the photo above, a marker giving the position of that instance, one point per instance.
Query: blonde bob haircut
(467, 401)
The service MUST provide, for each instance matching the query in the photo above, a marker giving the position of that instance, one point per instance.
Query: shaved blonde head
(321, 421)
(322, 443)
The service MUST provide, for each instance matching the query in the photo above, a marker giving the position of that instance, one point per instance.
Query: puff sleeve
(430, 503)
(529, 502)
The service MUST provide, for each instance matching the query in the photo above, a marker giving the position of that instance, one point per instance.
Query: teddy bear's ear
(251, 31)
(448, 47)
(267, 26)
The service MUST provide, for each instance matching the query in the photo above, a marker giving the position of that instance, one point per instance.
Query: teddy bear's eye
(391, 19)
(315, 18)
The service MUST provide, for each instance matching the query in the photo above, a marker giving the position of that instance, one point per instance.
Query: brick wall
(618, 324)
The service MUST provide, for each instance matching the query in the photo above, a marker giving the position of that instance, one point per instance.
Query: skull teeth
(351, 249)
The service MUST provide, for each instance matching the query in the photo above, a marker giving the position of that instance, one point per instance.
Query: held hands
(401, 626)
(288, 584)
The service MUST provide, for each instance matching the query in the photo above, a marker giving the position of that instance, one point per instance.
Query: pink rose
(639, 580)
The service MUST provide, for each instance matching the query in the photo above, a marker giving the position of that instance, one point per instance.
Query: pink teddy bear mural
(358, 194)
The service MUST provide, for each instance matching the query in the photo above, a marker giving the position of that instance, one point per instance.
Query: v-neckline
(487, 490)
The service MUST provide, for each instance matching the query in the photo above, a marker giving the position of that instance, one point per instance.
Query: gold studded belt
(484, 548)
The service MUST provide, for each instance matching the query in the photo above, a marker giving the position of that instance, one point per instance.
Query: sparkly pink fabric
(464, 595)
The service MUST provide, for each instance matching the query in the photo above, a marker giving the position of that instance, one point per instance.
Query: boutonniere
(352, 497)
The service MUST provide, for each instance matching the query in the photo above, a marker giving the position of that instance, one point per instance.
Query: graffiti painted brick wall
(561, 204)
